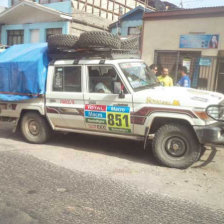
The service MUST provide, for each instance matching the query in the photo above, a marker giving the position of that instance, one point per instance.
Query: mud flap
(16, 122)
(146, 137)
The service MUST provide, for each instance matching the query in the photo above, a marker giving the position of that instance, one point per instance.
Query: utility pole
(119, 21)
(181, 4)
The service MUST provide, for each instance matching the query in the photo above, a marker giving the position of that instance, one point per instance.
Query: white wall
(165, 34)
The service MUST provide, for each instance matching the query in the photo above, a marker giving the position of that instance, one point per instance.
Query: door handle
(120, 105)
(92, 101)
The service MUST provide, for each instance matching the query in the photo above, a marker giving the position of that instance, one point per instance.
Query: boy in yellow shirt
(165, 79)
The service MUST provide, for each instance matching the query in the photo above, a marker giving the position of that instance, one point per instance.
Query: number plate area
(118, 119)
(108, 118)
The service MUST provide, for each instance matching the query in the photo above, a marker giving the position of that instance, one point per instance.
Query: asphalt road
(84, 182)
(33, 191)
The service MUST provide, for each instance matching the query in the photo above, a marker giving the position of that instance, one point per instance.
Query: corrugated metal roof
(138, 8)
(195, 12)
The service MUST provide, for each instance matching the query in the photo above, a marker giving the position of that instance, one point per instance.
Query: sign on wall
(206, 41)
(205, 61)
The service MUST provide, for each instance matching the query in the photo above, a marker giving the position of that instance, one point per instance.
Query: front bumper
(210, 133)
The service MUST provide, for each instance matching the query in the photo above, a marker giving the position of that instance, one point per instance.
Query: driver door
(104, 110)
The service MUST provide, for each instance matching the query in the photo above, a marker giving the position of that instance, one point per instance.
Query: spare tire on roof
(98, 39)
(130, 43)
(61, 42)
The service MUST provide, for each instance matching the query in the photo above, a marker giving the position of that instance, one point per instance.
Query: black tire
(176, 146)
(35, 128)
(98, 39)
(130, 43)
(62, 42)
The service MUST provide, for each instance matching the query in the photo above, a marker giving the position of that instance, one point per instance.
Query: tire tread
(181, 129)
(44, 124)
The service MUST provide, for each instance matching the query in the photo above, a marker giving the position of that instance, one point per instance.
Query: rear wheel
(176, 146)
(35, 128)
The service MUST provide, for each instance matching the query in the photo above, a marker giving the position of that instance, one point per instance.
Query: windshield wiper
(155, 84)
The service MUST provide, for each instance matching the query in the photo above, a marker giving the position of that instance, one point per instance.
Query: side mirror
(122, 95)
(216, 112)
(118, 89)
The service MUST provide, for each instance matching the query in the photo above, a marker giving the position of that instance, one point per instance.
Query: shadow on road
(121, 148)
(209, 159)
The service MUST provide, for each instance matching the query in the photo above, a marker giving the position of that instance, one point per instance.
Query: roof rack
(94, 53)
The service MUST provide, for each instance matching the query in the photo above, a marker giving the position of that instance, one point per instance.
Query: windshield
(138, 75)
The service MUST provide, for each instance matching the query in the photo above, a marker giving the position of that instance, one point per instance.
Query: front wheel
(176, 146)
(35, 128)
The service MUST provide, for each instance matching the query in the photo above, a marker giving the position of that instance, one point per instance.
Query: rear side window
(67, 79)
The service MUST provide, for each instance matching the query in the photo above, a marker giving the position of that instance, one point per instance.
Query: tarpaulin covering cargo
(23, 72)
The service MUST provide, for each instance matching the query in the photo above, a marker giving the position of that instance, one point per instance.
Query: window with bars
(15, 37)
(134, 30)
(53, 31)
(67, 79)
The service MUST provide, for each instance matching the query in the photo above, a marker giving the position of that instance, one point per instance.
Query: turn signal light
(202, 114)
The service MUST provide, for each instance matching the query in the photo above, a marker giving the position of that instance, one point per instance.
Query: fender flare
(24, 110)
(175, 116)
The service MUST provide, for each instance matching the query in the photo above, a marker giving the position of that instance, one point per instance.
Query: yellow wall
(165, 34)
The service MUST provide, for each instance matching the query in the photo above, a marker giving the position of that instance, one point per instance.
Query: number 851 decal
(118, 120)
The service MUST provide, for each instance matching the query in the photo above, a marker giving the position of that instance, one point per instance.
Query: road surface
(86, 179)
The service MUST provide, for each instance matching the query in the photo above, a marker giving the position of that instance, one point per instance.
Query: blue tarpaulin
(23, 71)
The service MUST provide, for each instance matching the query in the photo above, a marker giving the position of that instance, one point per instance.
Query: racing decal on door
(95, 116)
(118, 119)
(108, 118)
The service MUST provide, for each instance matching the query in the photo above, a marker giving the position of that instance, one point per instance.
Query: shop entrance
(201, 69)
(173, 59)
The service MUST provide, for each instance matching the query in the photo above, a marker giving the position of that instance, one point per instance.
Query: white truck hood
(178, 96)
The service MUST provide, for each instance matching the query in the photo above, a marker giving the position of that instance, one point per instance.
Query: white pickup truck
(120, 98)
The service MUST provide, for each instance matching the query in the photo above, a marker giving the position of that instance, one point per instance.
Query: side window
(67, 79)
(102, 78)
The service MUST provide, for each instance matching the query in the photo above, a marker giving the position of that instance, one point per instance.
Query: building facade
(108, 9)
(130, 23)
(193, 38)
(30, 22)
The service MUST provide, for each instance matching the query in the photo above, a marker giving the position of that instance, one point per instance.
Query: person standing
(154, 68)
(185, 80)
(164, 78)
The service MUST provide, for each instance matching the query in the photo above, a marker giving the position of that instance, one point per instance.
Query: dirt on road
(126, 161)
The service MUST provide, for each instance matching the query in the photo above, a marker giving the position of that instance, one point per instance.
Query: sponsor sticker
(95, 107)
(94, 114)
(118, 118)
(163, 102)
(96, 121)
(67, 101)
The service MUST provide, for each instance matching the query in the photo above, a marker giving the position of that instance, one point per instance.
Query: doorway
(173, 59)
(220, 85)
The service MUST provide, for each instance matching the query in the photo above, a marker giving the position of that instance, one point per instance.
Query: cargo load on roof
(23, 72)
